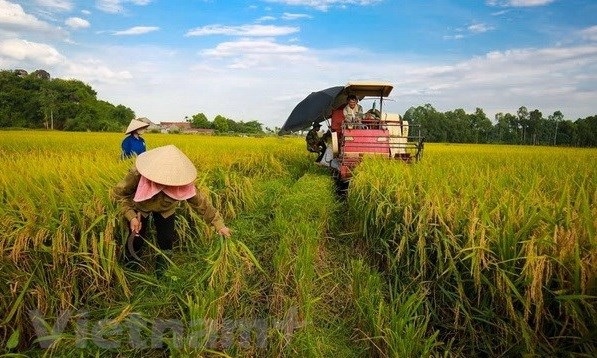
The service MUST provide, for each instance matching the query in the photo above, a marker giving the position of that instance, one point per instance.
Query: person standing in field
(133, 144)
(315, 142)
(160, 179)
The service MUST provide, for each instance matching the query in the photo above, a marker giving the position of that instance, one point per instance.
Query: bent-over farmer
(154, 187)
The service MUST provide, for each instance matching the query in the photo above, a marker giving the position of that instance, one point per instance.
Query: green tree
(253, 127)
(458, 126)
(233, 126)
(199, 120)
(48, 100)
(556, 118)
(36, 101)
(122, 115)
(481, 126)
(587, 131)
(501, 129)
(534, 125)
(13, 100)
(515, 130)
(567, 134)
(523, 122)
(221, 124)
(432, 122)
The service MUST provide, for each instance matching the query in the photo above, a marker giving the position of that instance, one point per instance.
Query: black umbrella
(316, 107)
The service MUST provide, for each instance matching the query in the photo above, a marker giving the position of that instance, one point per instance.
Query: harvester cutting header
(352, 137)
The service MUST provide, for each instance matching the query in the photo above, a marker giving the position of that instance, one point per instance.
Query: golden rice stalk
(229, 262)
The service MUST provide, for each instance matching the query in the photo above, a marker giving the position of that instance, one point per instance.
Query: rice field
(478, 250)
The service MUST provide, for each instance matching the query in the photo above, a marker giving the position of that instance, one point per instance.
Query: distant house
(183, 127)
(175, 126)
(152, 126)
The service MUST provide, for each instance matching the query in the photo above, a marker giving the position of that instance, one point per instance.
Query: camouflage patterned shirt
(313, 140)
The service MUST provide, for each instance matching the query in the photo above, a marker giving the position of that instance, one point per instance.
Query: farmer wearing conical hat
(133, 144)
(160, 180)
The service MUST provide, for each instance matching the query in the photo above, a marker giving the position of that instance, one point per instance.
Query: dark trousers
(165, 232)
(322, 148)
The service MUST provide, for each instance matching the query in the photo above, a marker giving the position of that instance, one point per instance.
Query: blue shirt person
(133, 144)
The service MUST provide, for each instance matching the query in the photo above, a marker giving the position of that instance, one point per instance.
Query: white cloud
(245, 30)
(61, 5)
(476, 28)
(110, 6)
(265, 19)
(548, 79)
(12, 16)
(519, 3)
(77, 23)
(453, 37)
(21, 50)
(264, 80)
(95, 71)
(479, 28)
(137, 30)
(290, 16)
(117, 6)
(523, 3)
(248, 46)
(589, 33)
(501, 12)
(324, 5)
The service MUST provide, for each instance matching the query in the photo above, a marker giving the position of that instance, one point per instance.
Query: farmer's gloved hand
(135, 225)
(225, 231)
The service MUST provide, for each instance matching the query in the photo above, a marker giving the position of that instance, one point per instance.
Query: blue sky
(254, 60)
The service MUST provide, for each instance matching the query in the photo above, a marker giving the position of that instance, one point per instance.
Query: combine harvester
(378, 133)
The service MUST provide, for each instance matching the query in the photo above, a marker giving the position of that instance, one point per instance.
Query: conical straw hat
(134, 125)
(166, 165)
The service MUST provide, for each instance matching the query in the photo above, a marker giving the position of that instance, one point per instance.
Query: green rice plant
(368, 296)
(395, 325)
(67, 221)
(203, 319)
(301, 219)
(406, 331)
(227, 264)
(496, 235)
(230, 192)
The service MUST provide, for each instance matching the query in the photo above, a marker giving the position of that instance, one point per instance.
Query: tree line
(222, 124)
(524, 127)
(36, 101)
